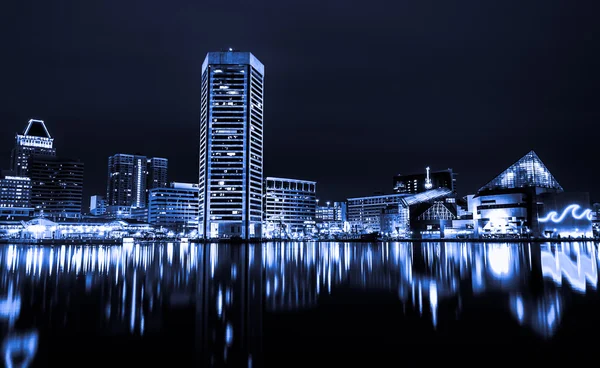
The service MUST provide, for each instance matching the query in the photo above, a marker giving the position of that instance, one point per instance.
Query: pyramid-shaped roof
(529, 171)
(37, 128)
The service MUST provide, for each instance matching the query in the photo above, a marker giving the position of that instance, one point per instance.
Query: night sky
(356, 91)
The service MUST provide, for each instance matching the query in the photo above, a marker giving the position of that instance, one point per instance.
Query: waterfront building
(35, 141)
(56, 187)
(175, 208)
(15, 197)
(427, 180)
(290, 206)
(231, 146)
(526, 200)
(331, 218)
(364, 213)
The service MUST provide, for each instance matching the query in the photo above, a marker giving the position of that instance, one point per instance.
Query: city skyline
(495, 84)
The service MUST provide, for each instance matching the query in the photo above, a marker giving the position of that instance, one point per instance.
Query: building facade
(15, 196)
(364, 213)
(157, 173)
(130, 177)
(231, 146)
(98, 205)
(290, 207)
(35, 141)
(175, 208)
(526, 200)
(56, 187)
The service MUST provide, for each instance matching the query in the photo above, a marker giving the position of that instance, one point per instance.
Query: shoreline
(239, 242)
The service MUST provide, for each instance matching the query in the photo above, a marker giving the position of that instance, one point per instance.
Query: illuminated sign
(16, 178)
(572, 209)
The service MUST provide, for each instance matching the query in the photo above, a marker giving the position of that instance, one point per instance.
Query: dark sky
(356, 91)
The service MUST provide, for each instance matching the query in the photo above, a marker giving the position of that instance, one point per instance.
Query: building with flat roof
(290, 206)
(175, 208)
(56, 187)
(364, 213)
(231, 146)
(15, 197)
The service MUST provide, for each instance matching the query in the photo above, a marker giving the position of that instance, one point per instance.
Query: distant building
(421, 182)
(35, 141)
(15, 196)
(98, 205)
(175, 208)
(289, 206)
(364, 213)
(231, 146)
(396, 214)
(130, 177)
(57, 187)
(157, 173)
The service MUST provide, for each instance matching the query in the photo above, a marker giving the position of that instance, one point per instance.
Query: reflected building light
(517, 308)
(10, 307)
(499, 260)
(133, 301)
(220, 302)
(18, 350)
(578, 272)
(433, 301)
(229, 334)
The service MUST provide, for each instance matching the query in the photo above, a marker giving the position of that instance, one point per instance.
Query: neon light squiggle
(553, 216)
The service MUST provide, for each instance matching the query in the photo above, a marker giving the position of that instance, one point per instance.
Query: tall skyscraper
(56, 183)
(35, 141)
(130, 177)
(231, 145)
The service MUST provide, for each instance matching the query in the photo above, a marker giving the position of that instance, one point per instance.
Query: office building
(157, 173)
(98, 205)
(231, 146)
(15, 196)
(35, 141)
(421, 182)
(364, 213)
(130, 177)
(56, 187)
(290, 207)
(174, 208)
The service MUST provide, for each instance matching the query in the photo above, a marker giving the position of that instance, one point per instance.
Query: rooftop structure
(527, 172)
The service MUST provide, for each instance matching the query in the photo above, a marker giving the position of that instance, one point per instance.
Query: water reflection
(139, 290)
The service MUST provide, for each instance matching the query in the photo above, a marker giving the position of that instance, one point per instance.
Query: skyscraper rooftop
(37, 128)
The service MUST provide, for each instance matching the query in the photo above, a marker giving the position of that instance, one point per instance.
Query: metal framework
(529, 171)
(437, 212)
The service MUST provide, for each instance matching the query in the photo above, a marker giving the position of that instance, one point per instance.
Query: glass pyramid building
(528, 172)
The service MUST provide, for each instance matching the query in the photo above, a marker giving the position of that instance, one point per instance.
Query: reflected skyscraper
(208, 299)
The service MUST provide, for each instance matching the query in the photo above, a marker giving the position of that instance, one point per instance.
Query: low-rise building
(175, 208)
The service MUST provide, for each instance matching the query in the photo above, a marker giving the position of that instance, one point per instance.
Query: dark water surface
(171, 304)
